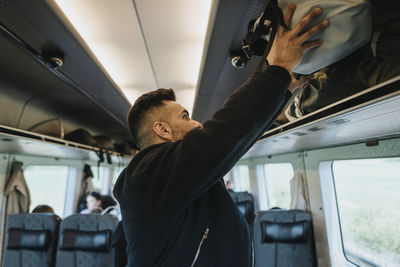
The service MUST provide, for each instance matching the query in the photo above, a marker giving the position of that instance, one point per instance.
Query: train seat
(245, 203)
(31, 239)
(85, 240)
(284, 238)
(108, 201)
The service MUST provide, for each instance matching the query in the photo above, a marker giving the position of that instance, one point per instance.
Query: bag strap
(277, 20)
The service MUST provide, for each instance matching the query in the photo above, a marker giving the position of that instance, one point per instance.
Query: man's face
(179, 120)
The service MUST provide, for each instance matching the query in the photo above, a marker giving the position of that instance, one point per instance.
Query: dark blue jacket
(170, 193)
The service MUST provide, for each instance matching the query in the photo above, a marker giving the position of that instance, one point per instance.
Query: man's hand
(289, 45)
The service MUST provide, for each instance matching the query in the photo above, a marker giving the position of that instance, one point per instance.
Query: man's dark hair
(141, 106)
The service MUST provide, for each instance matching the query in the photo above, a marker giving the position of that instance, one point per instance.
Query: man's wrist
(272, 62)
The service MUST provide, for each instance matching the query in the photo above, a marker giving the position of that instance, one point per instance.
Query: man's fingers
(304, 21)
(312, 44)
(289, 14)
(317, 28)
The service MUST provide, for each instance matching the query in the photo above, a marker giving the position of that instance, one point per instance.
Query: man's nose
(198, 124)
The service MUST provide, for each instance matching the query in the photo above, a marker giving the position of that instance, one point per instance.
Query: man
(175, 208)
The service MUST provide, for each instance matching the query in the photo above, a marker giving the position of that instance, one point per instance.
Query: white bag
(350, 27)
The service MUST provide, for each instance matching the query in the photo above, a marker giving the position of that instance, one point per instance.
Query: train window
(117, 172)
(278, 176)
(241, 178)
(367, 193)
(47, 186)
(99, 174)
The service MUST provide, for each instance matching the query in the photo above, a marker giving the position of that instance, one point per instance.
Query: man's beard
(178, 134)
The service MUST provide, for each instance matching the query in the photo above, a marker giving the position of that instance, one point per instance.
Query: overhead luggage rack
(32, 36)
(16, 141)
(370, 115)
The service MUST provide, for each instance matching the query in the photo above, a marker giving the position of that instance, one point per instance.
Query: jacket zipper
(205, 236)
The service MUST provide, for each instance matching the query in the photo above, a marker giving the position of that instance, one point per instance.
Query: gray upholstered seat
(85, 240)
(31, 240)
(245, 203)
(284, 238)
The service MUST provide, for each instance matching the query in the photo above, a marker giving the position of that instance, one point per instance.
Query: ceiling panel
(174, 31)
(112, 31)
(144, 44)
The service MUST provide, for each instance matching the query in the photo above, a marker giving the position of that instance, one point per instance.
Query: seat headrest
(244, 207)
(28, 239)
(99, 241)
(296, 232)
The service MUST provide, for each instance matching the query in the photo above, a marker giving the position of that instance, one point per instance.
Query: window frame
(70, 179)
(360, 258)
(317, 165)
(257, 175)
(237, 178)
(269, 206)
(332, 217)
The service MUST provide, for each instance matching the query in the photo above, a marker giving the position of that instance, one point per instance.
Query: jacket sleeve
(197, 162)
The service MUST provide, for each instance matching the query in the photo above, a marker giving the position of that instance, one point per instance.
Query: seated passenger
(229, 186)
(93, 202)
(43, 209)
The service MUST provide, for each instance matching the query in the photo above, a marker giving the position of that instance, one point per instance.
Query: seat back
(31, 239)
(108, 201)
(85, 240)
(245, 203)
(284, 238)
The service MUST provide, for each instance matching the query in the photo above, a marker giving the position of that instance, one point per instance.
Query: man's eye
(186, 116)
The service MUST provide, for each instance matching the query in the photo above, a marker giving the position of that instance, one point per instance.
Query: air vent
(315, 129)
(299, 133)
(372, 143)
(338, 122)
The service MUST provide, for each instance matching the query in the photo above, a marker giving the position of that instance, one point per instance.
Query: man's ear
(163, 130)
